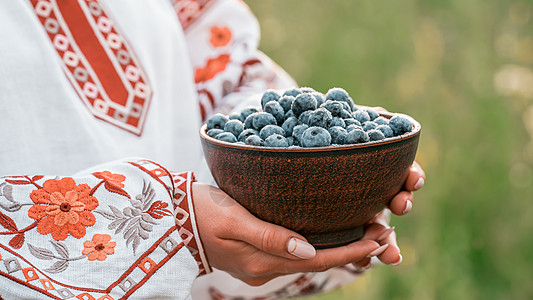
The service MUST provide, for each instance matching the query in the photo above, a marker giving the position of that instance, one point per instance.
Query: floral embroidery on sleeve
(62, 208)
(220, 36)
(212, 67)
(85, 225)
(99, 247)
(136, 221)
(112, 182)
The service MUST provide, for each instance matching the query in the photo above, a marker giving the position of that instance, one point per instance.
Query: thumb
(274, 239)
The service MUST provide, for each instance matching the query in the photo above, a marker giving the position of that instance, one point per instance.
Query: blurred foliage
(463, 69)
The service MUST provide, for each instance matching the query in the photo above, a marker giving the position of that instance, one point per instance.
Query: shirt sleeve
(229, 71)
(121, 229)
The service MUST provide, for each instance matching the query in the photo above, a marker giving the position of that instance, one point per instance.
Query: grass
(463, 69)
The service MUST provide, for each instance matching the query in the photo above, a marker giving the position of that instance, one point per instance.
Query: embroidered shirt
(86, 82)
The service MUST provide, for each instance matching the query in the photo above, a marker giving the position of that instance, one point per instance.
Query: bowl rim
(416, 131)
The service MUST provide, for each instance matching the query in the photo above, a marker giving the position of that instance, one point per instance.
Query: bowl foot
(335, 239)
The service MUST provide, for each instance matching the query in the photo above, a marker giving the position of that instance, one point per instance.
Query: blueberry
(356, 136)
(381, 121)
(217, 121)
(248, 122)
(303, 102)
(345, 114)
(270, 130)
(400, 125)
(254, 140)
(346, 106)
(361, 116)
(336, 121)
(320, 99)
(375, 135)
(371, 113)
(340, 94)
(236, 116)
(290, 140)
(369, 125)
(269, 95)
(320, 117)
(234, 126)
(297, 132)
(334, 107)
(246, 133)
(276, 140)
(315, 137)
(275, 109)
(227, 137)
(262, 119)
(386, 130)
(292, 92)
(306, 89)
(349, 128)
(338, 135)
(214, 132)
(248, 111)
(289, 125)
(286, 102)
(289, 114)
(304, 117)
(351, 121)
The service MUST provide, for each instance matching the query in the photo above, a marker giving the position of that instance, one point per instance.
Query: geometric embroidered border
(98, 61)
(18, 269)
(185, 218)
(189, 11)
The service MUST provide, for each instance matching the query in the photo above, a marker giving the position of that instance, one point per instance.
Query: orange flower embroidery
(99, 247)
(63, 208)
(220, 36)
(212, 68)
(114, 179)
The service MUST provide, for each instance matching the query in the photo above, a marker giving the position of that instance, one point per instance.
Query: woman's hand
(255, 251)
(379, 230)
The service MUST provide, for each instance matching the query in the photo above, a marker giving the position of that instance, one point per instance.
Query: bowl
(326, 194)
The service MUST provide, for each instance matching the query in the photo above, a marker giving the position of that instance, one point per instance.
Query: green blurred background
(463, 69)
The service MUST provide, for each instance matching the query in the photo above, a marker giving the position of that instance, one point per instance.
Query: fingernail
(385, 234)
(408, 207)
(378, 251)
(300, 248)
(399, 261)
(419, 184)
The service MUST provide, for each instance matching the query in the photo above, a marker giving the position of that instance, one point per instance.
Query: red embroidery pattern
(185, 219)
(63, 208)
(99, 247)
(220, 36)
(212, 68)
(190, 10)
(52, 199)
(126, 284)
(97, 60)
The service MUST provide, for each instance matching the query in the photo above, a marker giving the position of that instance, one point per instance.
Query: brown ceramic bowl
(326, 194)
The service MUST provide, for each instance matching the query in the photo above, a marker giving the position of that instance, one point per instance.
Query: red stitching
(138, 261)
(153, 270)
(28, 285)
(128, 271)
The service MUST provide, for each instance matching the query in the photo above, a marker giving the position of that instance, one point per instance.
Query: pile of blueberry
(303, 117)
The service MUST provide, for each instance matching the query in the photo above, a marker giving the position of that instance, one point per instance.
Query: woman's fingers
(402, 203)
(416, 178)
